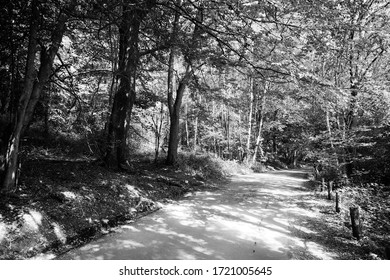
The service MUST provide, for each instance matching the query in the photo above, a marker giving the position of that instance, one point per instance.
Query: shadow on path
(253, 217)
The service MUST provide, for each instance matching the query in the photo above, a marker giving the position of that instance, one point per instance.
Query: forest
(173, 94)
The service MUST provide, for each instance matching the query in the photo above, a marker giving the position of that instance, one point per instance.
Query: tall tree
(174, 103)
(33, 83)
(132, 15)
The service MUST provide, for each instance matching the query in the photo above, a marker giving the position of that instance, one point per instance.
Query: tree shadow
(262, 216)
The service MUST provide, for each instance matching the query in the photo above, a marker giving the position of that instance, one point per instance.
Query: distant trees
(349, 54)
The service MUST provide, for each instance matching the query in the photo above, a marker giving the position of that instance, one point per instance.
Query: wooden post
(337, 202)
(356, 222)
(323, 185)
(330, 186)
(387, 253)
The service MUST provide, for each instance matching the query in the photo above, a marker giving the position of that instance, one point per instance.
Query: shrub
(209, 167)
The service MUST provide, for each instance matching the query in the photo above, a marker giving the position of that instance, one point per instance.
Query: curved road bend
(253, 217)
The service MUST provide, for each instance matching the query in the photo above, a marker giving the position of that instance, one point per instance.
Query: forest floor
(61, 203)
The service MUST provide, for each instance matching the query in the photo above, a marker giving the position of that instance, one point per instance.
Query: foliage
(278, 83)
(208, 167)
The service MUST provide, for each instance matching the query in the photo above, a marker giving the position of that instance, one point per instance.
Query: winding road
(255, 216)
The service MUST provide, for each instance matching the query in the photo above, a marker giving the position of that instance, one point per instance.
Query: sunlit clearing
(32, 220)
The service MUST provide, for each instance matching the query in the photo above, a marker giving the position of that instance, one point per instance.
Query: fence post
(337, 202)
(387, 253)
(323, 185)
(356, 222)
(330, 186)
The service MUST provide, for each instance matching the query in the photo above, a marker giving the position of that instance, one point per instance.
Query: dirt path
(254, 217)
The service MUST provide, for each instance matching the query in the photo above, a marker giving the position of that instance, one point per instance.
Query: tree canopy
(252, 81)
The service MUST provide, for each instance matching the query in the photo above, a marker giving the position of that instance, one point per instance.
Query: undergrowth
(209, 167)
(373, 199)
(374, 202)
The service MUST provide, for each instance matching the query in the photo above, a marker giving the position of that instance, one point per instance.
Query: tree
(33, 84)
(174, 104)
(133, 13)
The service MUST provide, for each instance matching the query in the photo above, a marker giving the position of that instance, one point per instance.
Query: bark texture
(133, 14)
(32, 88)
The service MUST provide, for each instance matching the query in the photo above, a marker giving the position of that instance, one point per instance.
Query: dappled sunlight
(304, 229)
(3, 229)
(131, 228)
(131, 189)
(32, 220)
(317, 251)
(58, 231)
(193, 223)
(285, 192)
(275, 227)
(131, 244)
(69, 195)
(299, 212)
(251, 218)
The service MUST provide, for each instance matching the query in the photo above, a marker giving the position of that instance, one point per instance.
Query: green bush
(209, 167)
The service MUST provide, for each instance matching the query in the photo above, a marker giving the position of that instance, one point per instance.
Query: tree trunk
(259, 139)
(174, 113)
(32, 88)
(228, 131)
(356, 222)
(47, 59)
(252, 95)
(329, 128)
(119, 123)
(175, 105)
(274, 140)
(187, 143)
(195, 133)
(158, 129)
(11, 157)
